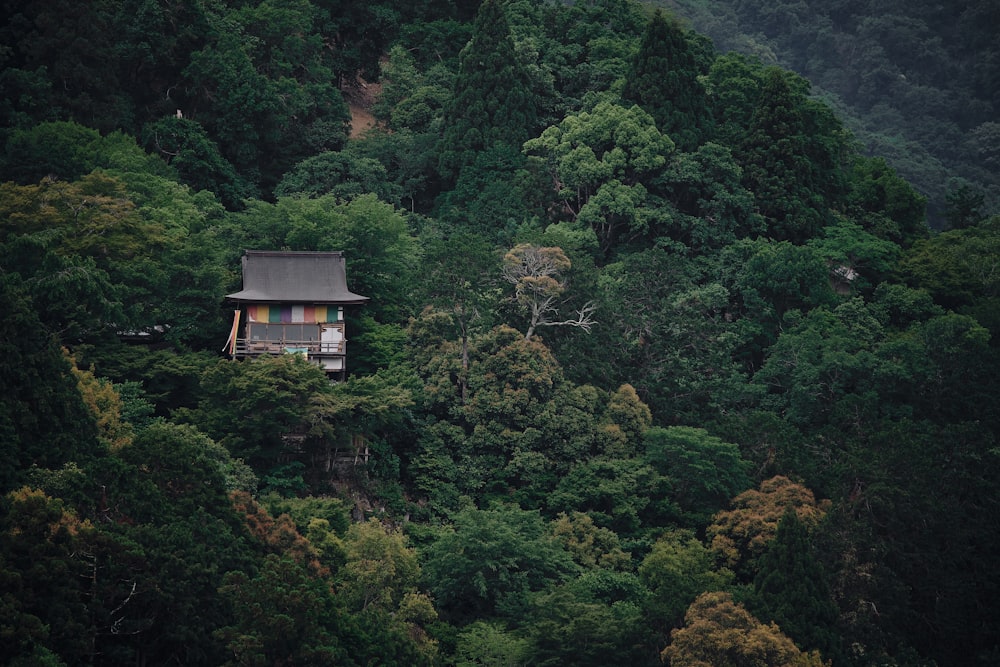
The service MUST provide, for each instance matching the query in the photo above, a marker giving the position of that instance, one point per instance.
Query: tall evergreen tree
(492, 102)
(791, 590)
(663, 80)
(776, 163)
(43, 420)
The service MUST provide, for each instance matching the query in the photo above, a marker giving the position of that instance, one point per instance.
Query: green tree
(733, 86)
(74, 298)
(822, 357)
(488, 560)
(703, 471)
(342, 174)
(603, 163)
(284, 616)
(43, 419)
(769, 280)
(171, 533)
(791, 590)
(663, 80)
(462, 290)
(675, 335)
(249, 406)
(566, 628)
(494, 194)
(186, 146)
(677, 570)
(263, 84)
(380, 569)
(486, 644)
(44, 566)
(712, 207)
(789, 160)
(378, 582)
(885, 204)
(590, 545)
(613, 492)
(61, 149)
(492, 101)
(957, 268)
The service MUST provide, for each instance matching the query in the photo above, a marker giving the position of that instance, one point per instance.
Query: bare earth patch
(360, 96)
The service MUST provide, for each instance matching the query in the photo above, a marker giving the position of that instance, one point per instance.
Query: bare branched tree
(536, 273)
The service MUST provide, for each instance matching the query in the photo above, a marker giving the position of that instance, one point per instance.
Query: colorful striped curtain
(286, 314)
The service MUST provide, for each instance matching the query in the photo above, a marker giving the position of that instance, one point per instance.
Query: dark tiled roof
(295, 277)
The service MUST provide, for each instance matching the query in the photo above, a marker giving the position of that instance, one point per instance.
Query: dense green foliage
(917, 82)
(658, 366)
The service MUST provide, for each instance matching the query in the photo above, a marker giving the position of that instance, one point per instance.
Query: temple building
(293, 303)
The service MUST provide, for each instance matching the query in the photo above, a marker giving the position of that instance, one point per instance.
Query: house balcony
(310, 348)
(328, 355)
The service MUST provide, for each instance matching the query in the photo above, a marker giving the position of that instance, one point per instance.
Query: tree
(381, 569)
(740, 535)
(663, 80)
(462, 290)
(733, 87)
(770, 279)
(277, 535)
(536, 274)
(720, 632)
(43, 419)
(284, 616)
(713, 208)
(74, 298)
(677, 569)
(488, 560)
(885, 204)
(791, 590)
(703, 471)
(263, 83)
(567, 628)
(170, 535)
(106, 407)
(486, 644)
(186, 146)
(614, 492)
(494, 194)
(590, 545)
(378, 585)
(957, 268)
(61, 150)
(45, 571)
(492, 101)
(248, 406)
(788, 164)
(676, 335)
(820, 358)
(343, 174)
(604, 163)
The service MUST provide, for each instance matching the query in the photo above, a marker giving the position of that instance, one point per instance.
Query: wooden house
(293, 302)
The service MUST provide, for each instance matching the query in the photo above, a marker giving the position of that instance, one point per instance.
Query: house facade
(293, 303)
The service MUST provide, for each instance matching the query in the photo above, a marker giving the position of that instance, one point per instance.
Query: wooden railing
(249, 348)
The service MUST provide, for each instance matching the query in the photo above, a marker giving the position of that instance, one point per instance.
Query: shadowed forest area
(916, 82)
(681, 345)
